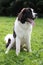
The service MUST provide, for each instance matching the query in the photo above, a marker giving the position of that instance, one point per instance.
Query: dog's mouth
(31, 21)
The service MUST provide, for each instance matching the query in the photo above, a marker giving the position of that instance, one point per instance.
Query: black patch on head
(24, 14)
(9, 41)
(14, 34)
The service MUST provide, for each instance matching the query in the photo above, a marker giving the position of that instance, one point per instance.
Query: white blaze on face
(33, 13)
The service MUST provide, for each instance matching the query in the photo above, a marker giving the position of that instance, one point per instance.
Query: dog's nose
(36, 14)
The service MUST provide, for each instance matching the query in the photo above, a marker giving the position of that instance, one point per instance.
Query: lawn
(24, 58)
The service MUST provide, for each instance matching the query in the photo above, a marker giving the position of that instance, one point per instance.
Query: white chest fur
(22, 30)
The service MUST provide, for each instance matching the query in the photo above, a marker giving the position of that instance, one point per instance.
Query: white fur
(23, 32)
(23, 35)
(9, 36)
(33, 13)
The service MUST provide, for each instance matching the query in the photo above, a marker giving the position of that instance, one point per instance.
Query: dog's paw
(6, 52)
(30, 50)
(17, 53)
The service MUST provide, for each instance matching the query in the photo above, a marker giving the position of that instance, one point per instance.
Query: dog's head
(26, 14)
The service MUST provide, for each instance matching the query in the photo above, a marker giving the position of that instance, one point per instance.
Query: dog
(23, 29)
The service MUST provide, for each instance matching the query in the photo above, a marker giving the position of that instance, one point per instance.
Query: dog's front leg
(29, 44)
(18, 42)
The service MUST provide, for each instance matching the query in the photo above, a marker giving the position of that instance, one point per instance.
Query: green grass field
(24, 58)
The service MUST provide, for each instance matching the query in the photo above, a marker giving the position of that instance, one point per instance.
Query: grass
(24, 58)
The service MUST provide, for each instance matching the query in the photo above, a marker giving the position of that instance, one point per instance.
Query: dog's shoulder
(24, 26)
(22, 29)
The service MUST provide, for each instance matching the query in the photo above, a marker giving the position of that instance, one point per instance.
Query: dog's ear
(21, 15)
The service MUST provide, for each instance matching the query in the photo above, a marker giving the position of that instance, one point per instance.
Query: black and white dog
(22, 30)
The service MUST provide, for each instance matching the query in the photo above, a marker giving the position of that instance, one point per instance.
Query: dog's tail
(8, 37)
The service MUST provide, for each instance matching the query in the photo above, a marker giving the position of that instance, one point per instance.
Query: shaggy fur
(22, 30)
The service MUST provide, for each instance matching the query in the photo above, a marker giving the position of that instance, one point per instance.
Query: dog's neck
(24, 26)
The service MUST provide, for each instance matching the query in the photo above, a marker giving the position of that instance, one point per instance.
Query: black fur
(14, 34)
(23, 15)
(9, 40)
